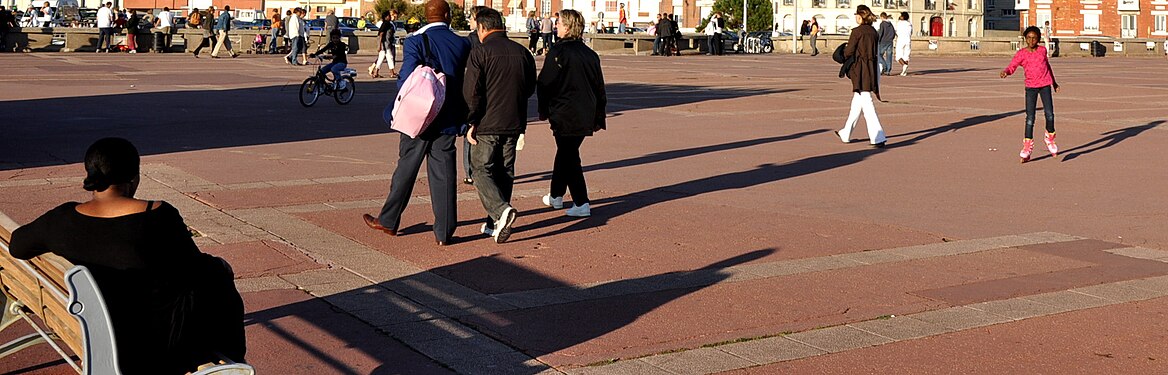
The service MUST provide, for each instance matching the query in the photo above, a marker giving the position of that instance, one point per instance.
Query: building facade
(1111, 18)
(956, 18)
(1001, 15)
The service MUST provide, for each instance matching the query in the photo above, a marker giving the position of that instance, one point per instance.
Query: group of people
(865, 60)
(541, 28)
(489, 79)
(7, 23)
(714, 29)
(666, 34)
(214, 30)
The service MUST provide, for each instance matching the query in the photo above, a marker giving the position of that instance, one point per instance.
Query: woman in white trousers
(387, 46)
(865, 75)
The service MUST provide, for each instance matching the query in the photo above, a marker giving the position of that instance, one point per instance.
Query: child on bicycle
(1039, 84)
(340, 62)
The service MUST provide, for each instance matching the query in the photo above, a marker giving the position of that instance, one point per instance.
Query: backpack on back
(196, 19)
(420, 97)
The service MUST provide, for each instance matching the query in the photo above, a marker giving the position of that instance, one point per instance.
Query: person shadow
(608, 208)
(516, 316)
(1109, 139)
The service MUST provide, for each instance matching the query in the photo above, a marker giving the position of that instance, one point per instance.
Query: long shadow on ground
(1109, 139)
(530, 328)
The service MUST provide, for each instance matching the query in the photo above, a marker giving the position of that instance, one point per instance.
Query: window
(1009, 13)
(930, 4)
(1161, 23)
(320, 9)
(903, 4)
(789, 24)
(952, 27)
(844, 3)
(843, 24)
(610, 6)
(545, 8)
(951, 4)
(891, 4)
(989, 5)
(972, 27)
(788, 2)
(1091, 22)
(972, 4)
(819, 3)
(1127, 26)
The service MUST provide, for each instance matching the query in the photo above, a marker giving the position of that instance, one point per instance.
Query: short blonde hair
(572, 20)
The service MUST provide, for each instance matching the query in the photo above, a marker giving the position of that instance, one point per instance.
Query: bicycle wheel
(345, 95)
(309, 92)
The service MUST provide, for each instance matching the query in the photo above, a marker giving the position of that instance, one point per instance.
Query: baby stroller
(259, 46)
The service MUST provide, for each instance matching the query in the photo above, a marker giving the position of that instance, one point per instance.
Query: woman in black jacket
(572, 98)
(864, 73)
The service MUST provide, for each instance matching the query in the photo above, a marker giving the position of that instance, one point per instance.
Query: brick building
(1112, 18)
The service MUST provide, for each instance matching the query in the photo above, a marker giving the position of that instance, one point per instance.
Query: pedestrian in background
(903, 42)
(572, 98)
(296, 36)
(386, 45)
(435, 145)
(887, 36)
(654, 31)
(205, 27)
(7, 22)
(330, 22)
(532, 31)
(665, 32)
(500, 77)
(1039, 83)
(132, 24)
(105, 27)
(222, 27)
(473, 38)
(277, 30)
(864, 74)
(545, 30)
(814, 32)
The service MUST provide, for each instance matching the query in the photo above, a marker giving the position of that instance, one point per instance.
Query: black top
(146, 265)
(473, 38)
(337, 49)
(500, 76)
(571, 89)
(887, 32)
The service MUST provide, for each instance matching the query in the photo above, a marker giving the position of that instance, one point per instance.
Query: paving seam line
(1110, 293)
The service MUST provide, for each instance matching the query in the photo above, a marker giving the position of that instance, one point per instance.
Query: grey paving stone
(296, 182)
(1017, 308)
(541, 297)
(1139, 253)
(698, 361)
(947, 248)
(1126, 291)
(873, 257)
(335, 180)
(825, 263)
(444, 296)
(451, 351)
(960, 318)
(510, 363)
(389, 311)
(1048, 237)
(901, 328)
(838, 339)
(429, 329)
(771, 350)
(773, 269)
(1066, 300)
(326, 281)
(625, 367)
(257, 284)
(1156, 284)
(375, 266)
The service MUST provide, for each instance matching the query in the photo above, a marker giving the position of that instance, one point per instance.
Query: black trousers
(1032, 95)
(466, 157)
(532, 40)
(208, 41)
(567, 172)
(440, 169)
(493, 162)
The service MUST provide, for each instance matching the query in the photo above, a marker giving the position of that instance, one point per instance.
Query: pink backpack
(420, 97)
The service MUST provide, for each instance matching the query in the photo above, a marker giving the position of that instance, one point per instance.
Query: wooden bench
(71, 311)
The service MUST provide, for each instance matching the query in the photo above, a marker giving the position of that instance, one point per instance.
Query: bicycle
(319, 84)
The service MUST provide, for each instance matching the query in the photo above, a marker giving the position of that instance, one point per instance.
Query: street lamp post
(795, 30)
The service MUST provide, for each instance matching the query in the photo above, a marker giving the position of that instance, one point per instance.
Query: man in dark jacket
(500, 76)
(887, 36)
(7, 22)
(665, 31)
(436, 144)
(473, 38)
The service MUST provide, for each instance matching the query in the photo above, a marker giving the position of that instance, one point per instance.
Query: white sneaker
(487, 231)
(556, 203)
(579, 211)
(503, 226)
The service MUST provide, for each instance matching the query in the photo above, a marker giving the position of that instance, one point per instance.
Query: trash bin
(1097, 49)
(159, 42)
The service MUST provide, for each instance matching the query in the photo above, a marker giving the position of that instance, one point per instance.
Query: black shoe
(468, 181)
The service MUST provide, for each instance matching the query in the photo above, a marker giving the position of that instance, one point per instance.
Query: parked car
(260, 24)
(316, 27)
(180, 22)
(352, 22)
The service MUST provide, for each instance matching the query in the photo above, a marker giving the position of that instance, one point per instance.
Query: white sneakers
(503, 226)
(556, 203)
(574, 211)
(579, 211)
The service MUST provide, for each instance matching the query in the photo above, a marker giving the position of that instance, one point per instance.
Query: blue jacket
(450, 52)
(224, 22)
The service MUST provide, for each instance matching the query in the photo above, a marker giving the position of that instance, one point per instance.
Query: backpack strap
(428, 55)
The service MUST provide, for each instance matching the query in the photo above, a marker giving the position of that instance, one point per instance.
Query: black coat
(500, 76)
(862, 46)
(571, 90)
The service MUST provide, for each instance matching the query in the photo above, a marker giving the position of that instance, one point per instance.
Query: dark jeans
(4, 41)
(440, 170)
(493, 162)
(466, 157)
(719, 47)
(886, 57)
(657, 45)
(1032, 95)
(567, 173)
(532, 40)
(208, 41)
(547, 42)
(104, 36)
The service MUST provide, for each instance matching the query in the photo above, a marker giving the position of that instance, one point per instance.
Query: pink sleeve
(1017, 60)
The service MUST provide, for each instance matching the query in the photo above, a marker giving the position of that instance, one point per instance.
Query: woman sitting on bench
(172, 307)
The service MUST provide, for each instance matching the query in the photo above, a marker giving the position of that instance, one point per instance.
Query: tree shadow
(1109, 139)
(606, 209)
(483, 329)
(57, 131)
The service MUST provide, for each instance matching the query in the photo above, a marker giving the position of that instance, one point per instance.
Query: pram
(259, 46)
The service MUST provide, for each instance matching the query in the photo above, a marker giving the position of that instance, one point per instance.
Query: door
(936, 27)
(1127, 26)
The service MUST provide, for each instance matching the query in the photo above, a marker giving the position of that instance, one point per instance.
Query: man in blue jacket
(448, 54)
(222, 26)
